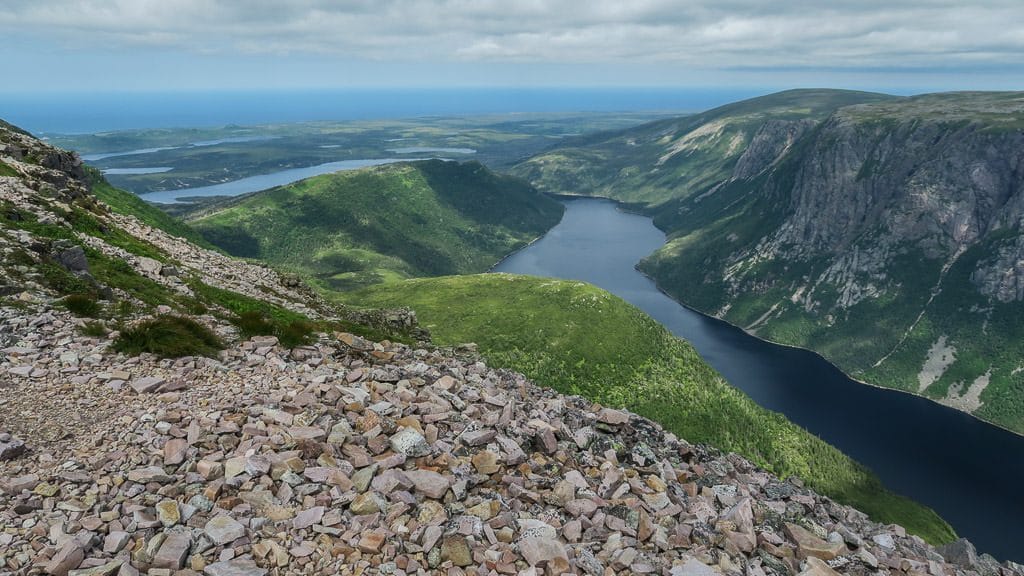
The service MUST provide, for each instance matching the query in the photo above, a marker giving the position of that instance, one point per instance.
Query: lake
(970, 472)
(265, 181)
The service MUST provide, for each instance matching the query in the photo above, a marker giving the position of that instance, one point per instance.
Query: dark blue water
(96, 112)
(972, 473)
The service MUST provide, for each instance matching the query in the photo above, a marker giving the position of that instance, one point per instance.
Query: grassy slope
(352, 229)
(579, 339)
(123, 202)
(627, 165)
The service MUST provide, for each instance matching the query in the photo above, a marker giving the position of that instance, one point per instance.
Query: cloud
(697, 34)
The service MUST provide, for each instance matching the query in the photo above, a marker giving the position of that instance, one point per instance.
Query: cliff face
(870, 232)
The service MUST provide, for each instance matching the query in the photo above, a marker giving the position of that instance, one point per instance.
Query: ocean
(71, 113)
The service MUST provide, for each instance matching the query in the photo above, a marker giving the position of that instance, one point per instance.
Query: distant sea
(71, 113)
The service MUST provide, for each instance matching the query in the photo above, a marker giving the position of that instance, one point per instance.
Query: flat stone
(173, 551)
(149, 474)
(809, 545)
(174, 451)
(885, 541)
(115, 541)
(102, 570)
(16, 485)
(67, 558)
(168, 513)
(431, 484)
(306, 433)
(146, 384)
(307, 518)
(613, 417)
(224, 529)
(234, 466)
(478, 437)
(244, 566)
(455, 549)
(486, 462)
(538, 550)
(367, 503)
(371, 542)
(362, 478)
(693, 567)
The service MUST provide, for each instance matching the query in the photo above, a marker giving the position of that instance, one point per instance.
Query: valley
(840, 222)
(389, 236)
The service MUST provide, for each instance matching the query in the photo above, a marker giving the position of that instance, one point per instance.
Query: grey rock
(244, 566)
(224, 529)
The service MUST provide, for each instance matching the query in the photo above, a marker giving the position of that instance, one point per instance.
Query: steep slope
(890, 242)
(119, 454)
(580, 339)
(687, 156)
(61, 245)
(352, 229)
(885, 236)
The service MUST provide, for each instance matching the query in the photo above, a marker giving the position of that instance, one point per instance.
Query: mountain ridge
(809, 205)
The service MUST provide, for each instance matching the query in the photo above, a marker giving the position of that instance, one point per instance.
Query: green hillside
(353, 229)
(580, 339)
(681, 157)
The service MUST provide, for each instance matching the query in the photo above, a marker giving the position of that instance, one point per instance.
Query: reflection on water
(967, 470)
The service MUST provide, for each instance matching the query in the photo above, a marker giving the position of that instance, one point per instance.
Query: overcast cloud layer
(370, 42)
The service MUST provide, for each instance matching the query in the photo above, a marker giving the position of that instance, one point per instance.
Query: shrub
(289, 333)
(296, 333)
(168, 336)
(253, 323)
(82, 305)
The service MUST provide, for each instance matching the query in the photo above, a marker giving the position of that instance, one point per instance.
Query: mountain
(885, 235)
(351, 229)
(682, 157)
(170, 409)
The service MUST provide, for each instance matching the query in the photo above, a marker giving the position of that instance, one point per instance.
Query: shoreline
(623, 208)
(657, 285)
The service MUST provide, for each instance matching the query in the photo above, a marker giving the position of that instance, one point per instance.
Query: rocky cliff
(884, 234)
(339, 455)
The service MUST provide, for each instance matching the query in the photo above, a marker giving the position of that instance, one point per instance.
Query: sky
(182, 45)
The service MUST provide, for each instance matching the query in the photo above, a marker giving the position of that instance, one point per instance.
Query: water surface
(430, 150)
(264, 181)
(971, 472)
(127, 171)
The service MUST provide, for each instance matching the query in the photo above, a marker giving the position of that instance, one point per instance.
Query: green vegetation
(353, 229)
(498, 141)
(6, 170)
(168, 336)
(683, 157)
(82, 305)
(723, 183)
(129, 204)
(579, 339)
(289, 334)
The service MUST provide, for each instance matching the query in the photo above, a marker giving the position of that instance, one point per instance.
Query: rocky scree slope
(885, 235)
(346, 456)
